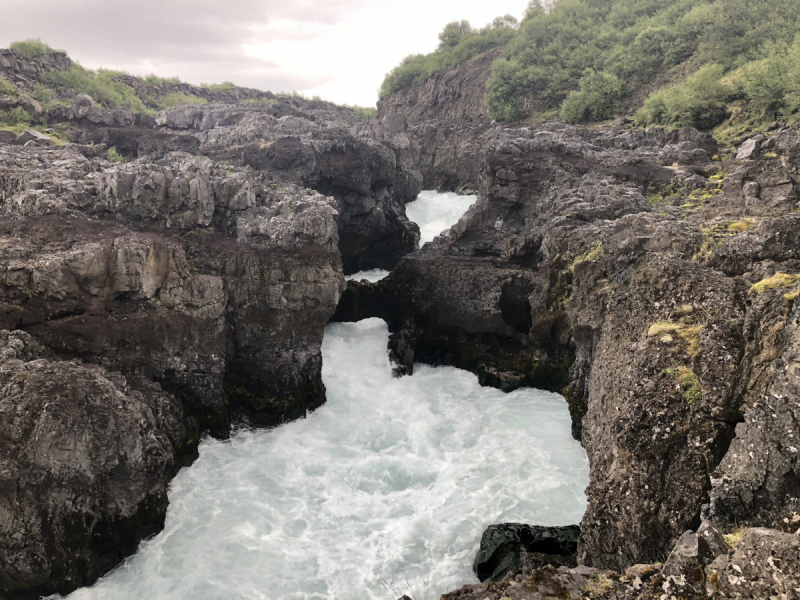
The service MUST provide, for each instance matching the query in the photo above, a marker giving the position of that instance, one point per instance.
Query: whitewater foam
(392, 481)
(434, 212)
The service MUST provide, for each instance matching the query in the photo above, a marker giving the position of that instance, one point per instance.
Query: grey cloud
(198, 40)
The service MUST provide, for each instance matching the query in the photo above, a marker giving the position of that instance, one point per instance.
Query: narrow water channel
(386, 488)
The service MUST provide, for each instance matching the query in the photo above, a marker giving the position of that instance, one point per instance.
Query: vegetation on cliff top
(112, 88)
(681, 62)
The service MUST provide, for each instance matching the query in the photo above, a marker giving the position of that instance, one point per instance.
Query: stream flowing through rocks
(383, 491)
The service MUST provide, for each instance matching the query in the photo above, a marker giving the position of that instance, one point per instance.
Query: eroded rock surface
(622, 269)
(85, 459)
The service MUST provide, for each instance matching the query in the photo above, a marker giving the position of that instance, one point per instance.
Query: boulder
(504, 547)
(83, 100)
(80, 445)
(684, 567)
(766, 564)
(749, 150)
(29, 104)
(31, 135)
(712, 541)
(7, 137)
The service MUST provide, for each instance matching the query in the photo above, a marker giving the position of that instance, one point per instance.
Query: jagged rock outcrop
(85, 459)
(764, 564)
(204, 279)
(206, 289)
(616, 267)
(505, 547)
(24, 72)
(370, 185)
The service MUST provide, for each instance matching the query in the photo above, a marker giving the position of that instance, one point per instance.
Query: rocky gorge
(650, 276)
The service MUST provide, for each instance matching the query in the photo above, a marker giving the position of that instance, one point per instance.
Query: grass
(663, 328)
(777, 281)
(685, 329)
(7, 88)
(740, 226)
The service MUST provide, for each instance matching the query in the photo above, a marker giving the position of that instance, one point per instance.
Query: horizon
(312, 47)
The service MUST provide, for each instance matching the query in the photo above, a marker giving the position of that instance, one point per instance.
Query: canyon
(651, 277)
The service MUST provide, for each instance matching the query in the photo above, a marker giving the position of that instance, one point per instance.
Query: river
(383, 491)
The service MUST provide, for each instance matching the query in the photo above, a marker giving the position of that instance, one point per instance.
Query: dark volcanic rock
(615, 266)
(200, 278)
(371, 181)
(206, 288)
(504, 547)
(85, 459)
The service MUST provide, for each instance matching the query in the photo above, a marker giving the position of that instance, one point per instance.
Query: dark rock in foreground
(504, 547)
(85, 459)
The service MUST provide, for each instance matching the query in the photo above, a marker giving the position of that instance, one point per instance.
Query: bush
(458, 43)
(599, 98)
(365, 113)
(697, 102)
(156, 80)
(101, 86)
(16, 116)
(773, 84)
(7, 88)
(33, 48)
(225, 86)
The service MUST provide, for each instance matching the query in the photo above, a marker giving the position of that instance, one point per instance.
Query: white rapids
(433, 212)
(383, 491)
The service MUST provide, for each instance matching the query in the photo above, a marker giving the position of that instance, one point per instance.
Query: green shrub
(33, 48)
(102, 86)
(7, 88)
(599, 98)
(458, 42)
(156, 80)
(225, 86)
(16, 116)
(42, 95)
(697, 102)
(365, 113)
(773, 84)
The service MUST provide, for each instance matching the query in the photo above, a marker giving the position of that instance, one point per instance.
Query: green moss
(596, 252)
(689, 383)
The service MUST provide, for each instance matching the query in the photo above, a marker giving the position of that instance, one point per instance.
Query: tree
(453, 33)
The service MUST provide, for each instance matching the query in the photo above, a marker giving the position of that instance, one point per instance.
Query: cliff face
(618, 267)
(182, 288)
(454, 95)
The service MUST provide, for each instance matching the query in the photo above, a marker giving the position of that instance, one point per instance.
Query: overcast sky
(339, 49)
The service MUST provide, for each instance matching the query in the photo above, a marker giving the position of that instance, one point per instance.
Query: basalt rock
(618, 267)
(764, 564)
(85, 459)
(165, 297)
(369, 183)
(504, 547)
